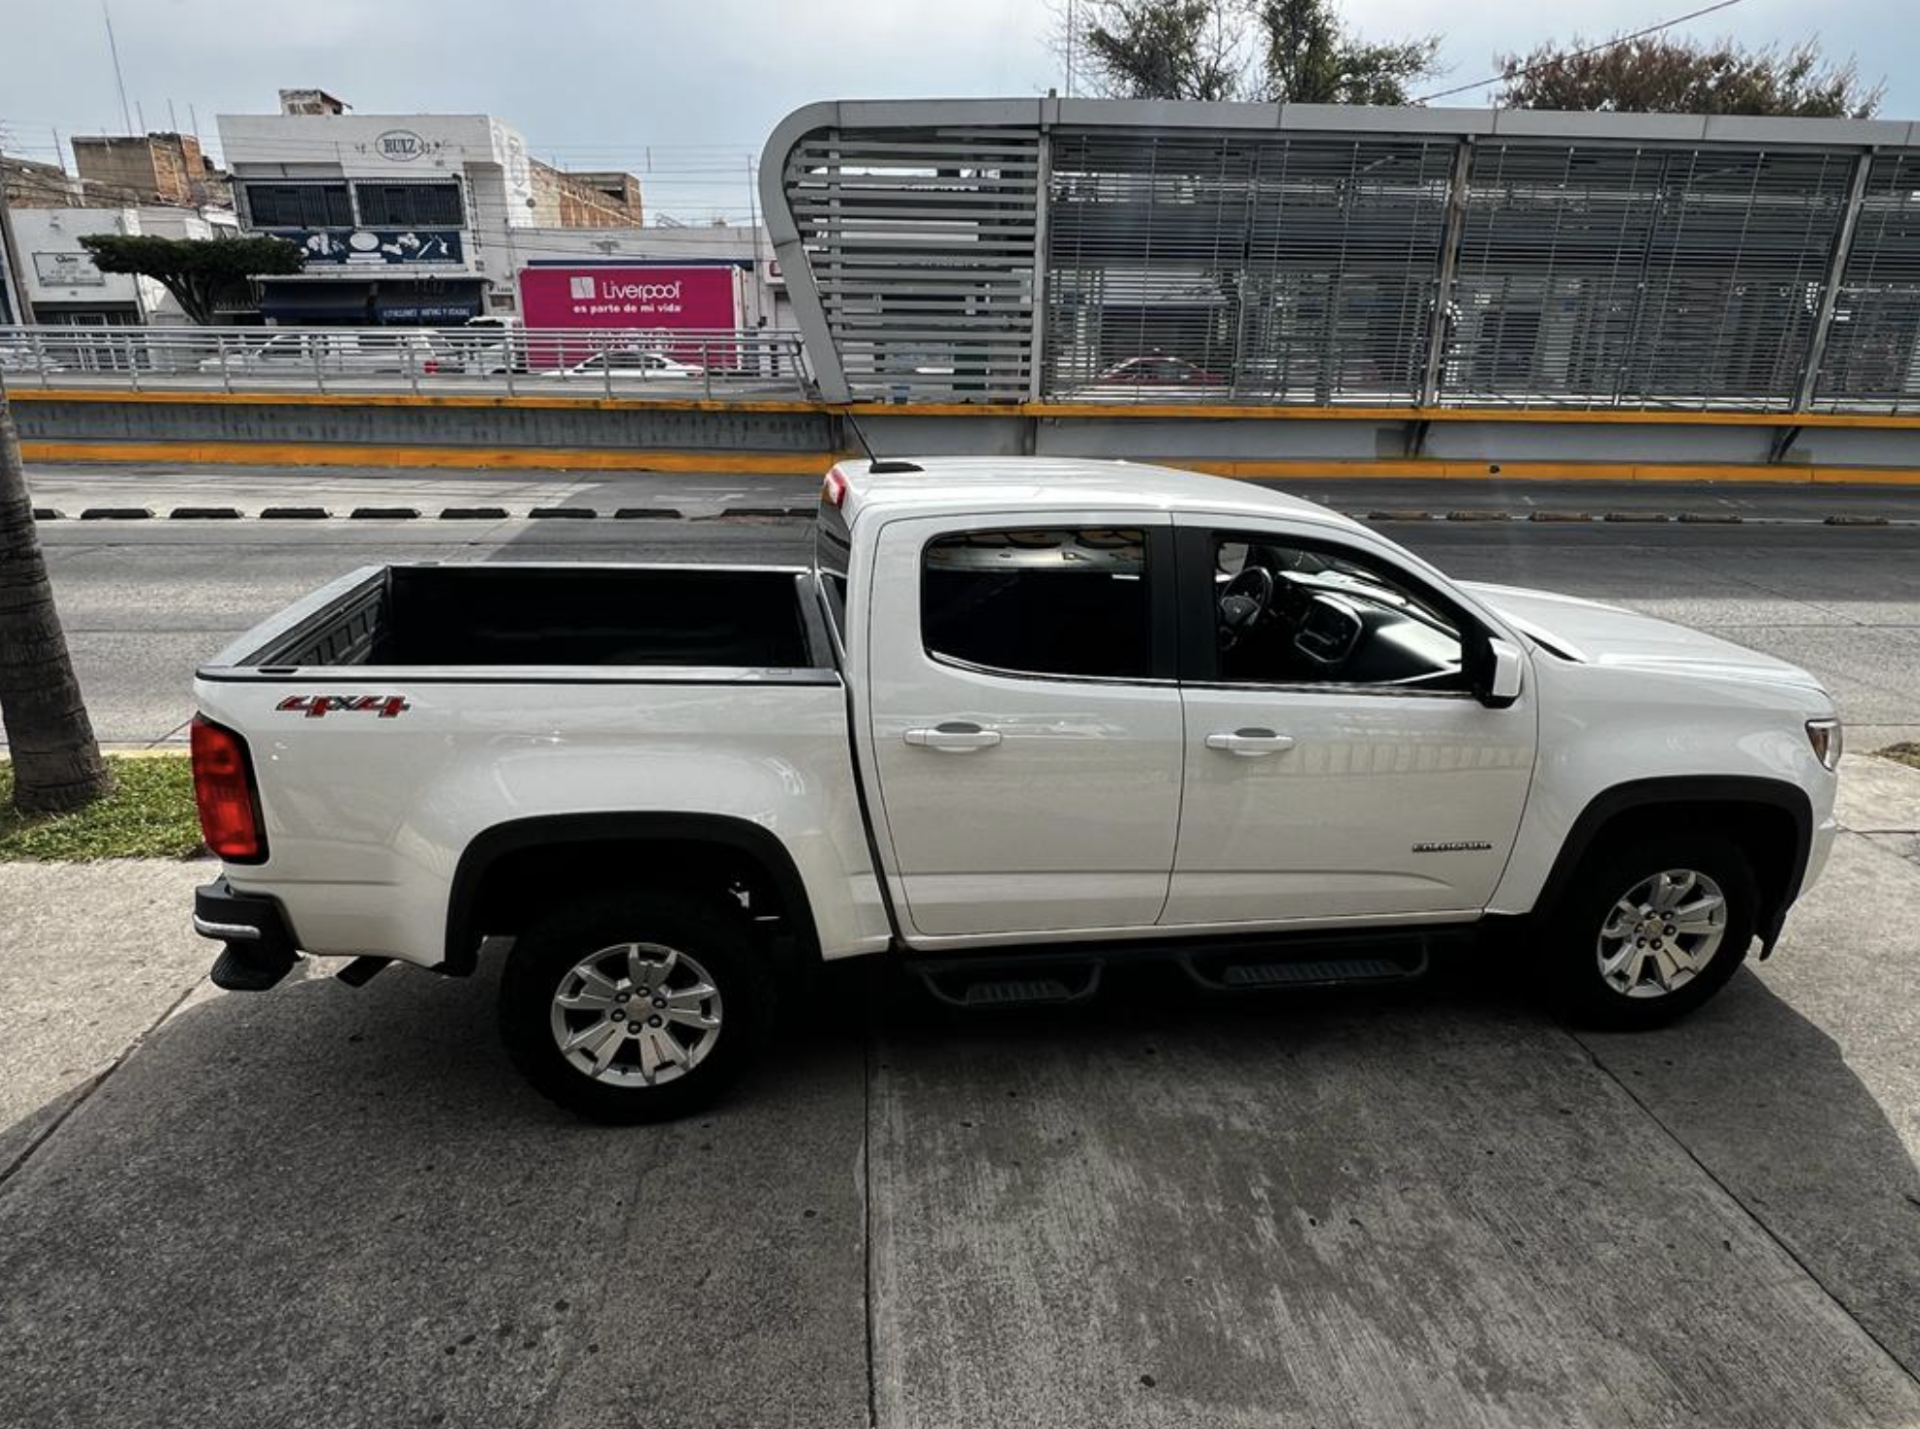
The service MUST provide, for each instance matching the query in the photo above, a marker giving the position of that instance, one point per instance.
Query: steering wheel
(1245, 603)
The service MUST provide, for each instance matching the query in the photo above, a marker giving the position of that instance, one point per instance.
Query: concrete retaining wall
(689, 435)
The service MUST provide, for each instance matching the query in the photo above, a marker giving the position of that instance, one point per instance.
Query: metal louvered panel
(1872, 356)
(921, 244)
(1251, 267)
(1600, 276)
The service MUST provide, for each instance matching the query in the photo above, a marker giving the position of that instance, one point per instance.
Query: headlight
(1825, 737)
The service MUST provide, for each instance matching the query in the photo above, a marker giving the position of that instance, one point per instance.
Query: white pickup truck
(1019, 719)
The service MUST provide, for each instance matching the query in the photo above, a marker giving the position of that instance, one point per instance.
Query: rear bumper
(259, 945)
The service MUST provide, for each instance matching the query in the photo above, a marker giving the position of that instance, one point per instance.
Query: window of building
(1062, 602)
(298, 205)
(409, 205)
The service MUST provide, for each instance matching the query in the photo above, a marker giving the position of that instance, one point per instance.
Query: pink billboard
(643, 296)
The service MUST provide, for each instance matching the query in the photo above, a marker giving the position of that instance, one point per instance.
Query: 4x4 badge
(314, 706)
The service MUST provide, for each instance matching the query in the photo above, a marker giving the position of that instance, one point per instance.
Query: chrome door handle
(953, 738)
(1250, 743)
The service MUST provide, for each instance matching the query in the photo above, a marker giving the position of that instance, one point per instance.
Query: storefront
(310, 301)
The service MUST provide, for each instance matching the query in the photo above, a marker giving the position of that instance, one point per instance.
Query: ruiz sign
(402, 146)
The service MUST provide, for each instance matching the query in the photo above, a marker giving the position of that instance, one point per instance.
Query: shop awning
(313, 302)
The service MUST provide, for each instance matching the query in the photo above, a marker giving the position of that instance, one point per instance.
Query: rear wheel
(635, 1008)
(1653, 928)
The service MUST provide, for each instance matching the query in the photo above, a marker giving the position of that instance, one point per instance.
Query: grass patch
(1907, 753)
(150, 814)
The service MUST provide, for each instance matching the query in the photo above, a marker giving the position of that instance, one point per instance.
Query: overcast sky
(684, 91)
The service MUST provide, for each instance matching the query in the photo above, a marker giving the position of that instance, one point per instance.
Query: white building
(63, 285)
(430, 218)
(406, 218)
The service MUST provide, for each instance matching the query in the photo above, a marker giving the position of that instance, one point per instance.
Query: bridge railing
(608, 362)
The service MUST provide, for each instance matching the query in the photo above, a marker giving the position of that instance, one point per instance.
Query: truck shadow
(287, 1203)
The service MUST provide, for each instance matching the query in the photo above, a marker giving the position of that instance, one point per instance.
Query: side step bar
(976, 983)
(1061, 978)
(1258, 974)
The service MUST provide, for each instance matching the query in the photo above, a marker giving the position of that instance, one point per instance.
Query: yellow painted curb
(808, 465)
(1223, 412)
(1544, 471)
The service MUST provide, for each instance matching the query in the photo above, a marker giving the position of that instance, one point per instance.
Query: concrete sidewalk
(324, 1206)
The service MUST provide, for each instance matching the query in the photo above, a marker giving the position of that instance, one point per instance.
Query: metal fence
(1122, 251)
(612, 362)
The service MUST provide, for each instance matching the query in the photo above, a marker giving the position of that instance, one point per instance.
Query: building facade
(564, 198)
(150, 169)
(61, 283)
(410, 219)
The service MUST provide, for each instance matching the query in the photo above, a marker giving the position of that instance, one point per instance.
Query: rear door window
(1065, 602)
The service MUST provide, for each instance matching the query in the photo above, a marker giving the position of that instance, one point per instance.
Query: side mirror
(1501, 674)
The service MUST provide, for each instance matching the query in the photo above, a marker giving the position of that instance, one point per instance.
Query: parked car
(1019, 718)
(398, 352)
(1159, 370)
(630, 364)
(25, 359)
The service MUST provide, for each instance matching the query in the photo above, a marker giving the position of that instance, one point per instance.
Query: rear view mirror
(1500, 684)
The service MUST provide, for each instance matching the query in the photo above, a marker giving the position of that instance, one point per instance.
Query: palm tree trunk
(56, 763)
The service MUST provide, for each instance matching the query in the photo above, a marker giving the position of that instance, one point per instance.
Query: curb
(778, 512)
(204, 513)
(47, 513)
(1400, 515)
(474, 513)
(1712, 518)
(1479, 516)
(1638, 517)
(562, 513)
(647, 513)
(116, 513)
(385, 513)
(294, 513)
(1858, 521)
(1558, 516)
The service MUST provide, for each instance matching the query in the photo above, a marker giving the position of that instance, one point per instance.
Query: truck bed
(480, 617)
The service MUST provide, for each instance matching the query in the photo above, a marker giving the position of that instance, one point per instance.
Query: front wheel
(1651, 929)
(637, 1008)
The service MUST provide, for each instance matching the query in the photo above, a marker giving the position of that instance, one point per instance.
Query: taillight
(223, 788)
(833, 491)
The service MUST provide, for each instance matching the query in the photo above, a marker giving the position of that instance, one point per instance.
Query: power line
(1577, 54)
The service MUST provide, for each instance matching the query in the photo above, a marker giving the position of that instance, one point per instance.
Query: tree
(56, 763)
(1675, 75)
(199, 272)
(1308, 58)
(1292, 51)
(1163, 49)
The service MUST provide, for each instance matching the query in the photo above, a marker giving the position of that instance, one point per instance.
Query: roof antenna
(877, 466)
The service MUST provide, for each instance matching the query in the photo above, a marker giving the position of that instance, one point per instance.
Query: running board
(1223, 972)
(1058, 978)
(976, 984)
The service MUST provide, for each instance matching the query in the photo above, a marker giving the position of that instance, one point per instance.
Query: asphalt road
(330, 1207)
(144, 601)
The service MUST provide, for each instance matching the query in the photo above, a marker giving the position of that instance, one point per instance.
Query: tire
(649, 954)
(1596, 912)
